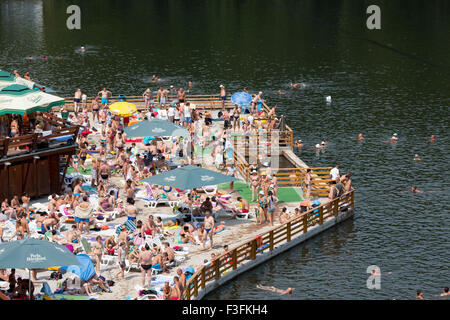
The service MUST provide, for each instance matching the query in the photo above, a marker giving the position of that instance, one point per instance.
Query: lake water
(264, 46)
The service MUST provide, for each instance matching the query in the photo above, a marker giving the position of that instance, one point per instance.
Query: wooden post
(305, 223)
(217, 268)
(188, 293)
(321, 215)
(288, 232)
(253, 250)
(271, 240)
(203, 282)
(352, 200)
(234, 258)
(336, 207)
(196, 286)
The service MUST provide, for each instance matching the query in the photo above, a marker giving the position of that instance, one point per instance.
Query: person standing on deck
(161, 96)
(335, 172)
(181, 95)
(77, 101)
(105, 95)
(333, 190)
(223, 96)
(209, 226)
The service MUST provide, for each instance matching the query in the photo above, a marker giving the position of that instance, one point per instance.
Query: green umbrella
(155, 128)
(34, 254)
(189, 177)
(19, 99)
(7, 79)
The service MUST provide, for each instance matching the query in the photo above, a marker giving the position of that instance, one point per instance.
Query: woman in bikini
(202, 235)
(236, 116)
(147, 95)
(254, 184)
(263, 206)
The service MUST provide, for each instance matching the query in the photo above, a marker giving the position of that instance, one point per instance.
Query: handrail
(266, 241)
(31, 142)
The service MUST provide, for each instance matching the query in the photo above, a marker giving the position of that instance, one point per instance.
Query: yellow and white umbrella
(123, 109)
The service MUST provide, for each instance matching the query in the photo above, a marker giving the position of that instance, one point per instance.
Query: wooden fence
(29, 143)
(265, 242)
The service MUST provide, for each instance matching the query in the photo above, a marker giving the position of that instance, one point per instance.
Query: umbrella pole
(29, 283)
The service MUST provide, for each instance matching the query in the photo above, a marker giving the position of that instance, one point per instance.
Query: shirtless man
(170, 252)
(131, 210)
(104, 173)
(175, 291)
(159, 262)
(209, 226)
(223, 96)
(145, 261)
(95, 109)
(73, 235)
(276, 290)
(77, 101)
(182, 278)
(119, 141)
(181, 96)
(161, 96)
(245, 205)
(105, 95)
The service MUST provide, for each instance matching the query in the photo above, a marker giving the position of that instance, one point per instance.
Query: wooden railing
(205, 101)
(29, 143)
(265, 242)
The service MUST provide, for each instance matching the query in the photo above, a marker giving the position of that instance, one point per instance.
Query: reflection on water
(262, 47)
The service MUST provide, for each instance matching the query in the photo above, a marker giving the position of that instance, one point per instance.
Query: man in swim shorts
(209, 226)
(131, 210)
(145, 260)
(77, 101)
(223, 96)
(104, 94)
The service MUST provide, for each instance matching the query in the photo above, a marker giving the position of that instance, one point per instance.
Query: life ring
(167, 190)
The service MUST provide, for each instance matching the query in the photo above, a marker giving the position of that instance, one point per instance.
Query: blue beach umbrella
(241, 99)
(34, 254)
(84, 269)
(155, 128)
(189, 177)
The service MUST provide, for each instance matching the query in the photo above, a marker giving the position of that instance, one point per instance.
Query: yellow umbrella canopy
(124, 109)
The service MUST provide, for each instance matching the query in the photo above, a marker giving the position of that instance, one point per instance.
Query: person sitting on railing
(348, 182)
(333, 190)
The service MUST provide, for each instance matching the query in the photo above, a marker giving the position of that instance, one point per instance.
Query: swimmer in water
(30, 58)
(446, 292)
(376, 273)
(394, 138)
(360, 137)
(83, 49)
(44, 58)
(417, 158)
(318, 147)
(190, 84)
(419, 295)
(415, 190)
(281, 92)
(298, 144)
(324, 142)
(296, 85)
(276, 290)
(432, 138)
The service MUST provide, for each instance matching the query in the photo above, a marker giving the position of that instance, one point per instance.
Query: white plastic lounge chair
(210, 190)
(130, 265)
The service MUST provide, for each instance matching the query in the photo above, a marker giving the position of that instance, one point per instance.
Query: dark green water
(265, 45)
